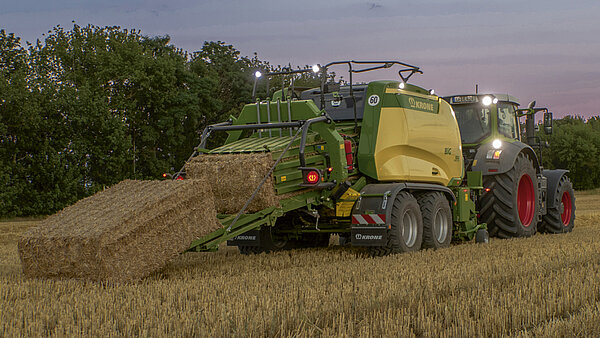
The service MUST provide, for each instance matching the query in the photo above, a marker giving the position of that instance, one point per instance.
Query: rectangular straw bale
(234, 177)
(121, 234)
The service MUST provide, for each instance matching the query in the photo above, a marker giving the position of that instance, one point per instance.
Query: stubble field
(547, 285)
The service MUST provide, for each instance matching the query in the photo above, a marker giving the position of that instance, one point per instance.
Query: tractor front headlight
(497, 144)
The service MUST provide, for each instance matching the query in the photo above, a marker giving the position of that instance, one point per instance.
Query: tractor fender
(510, 150)
(553, 177)
(378, 198)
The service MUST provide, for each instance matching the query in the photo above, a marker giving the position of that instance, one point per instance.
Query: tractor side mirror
(531, 104)
(548, 123)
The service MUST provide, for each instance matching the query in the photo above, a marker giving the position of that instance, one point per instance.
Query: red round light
(179, 178)
(312, 177)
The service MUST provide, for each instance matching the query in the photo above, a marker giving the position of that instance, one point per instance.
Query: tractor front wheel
(510, 206)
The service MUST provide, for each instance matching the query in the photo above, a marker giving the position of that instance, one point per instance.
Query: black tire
(560, 218)
(437, 220)
(406, 233)
(267, 243)
(499, 207)
(482, 236)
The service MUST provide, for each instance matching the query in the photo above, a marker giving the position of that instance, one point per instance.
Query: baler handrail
(384, 64)
(259, 126)
(204, 136)
(305, 133)
(228, 126)
(206, 133)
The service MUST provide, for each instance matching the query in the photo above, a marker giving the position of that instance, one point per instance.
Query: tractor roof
(470, 98)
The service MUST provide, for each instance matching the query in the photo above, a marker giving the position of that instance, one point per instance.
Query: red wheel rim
(526, 200)
(567, 208)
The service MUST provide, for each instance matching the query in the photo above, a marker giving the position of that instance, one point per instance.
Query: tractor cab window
(473, 122)
(507, 122)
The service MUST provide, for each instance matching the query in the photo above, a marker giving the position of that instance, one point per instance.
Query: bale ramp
(121, 234)
(233, 178)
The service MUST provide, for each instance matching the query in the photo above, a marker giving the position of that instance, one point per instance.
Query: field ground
(547, 285)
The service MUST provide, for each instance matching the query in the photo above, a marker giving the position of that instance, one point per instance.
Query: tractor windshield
(473, 121)
(507, 123)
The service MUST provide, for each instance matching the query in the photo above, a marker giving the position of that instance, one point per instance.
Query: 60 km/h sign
(373, 100)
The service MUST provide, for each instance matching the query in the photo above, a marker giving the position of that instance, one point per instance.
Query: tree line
(90, 106)
(575, 145)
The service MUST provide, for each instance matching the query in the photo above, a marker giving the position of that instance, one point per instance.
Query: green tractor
(520, 197)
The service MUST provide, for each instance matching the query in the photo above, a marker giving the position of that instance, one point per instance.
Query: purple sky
(544, 50)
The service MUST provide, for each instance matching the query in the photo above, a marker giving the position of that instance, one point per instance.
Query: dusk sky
(543, 50)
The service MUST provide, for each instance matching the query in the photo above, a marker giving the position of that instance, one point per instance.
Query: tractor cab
(485, 118)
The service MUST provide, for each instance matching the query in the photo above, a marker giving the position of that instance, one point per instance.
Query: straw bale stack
(233, 179)
(121, 234)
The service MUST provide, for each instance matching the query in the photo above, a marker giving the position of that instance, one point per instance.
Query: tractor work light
(316, 68)
(401, 85)
(431, 91)
(497, 144)
(258, 74)
(487, 100)
(495, 100)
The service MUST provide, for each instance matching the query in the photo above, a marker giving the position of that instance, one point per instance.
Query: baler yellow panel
(418, 146)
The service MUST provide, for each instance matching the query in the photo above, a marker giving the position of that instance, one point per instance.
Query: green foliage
(575, 145)
(90, 106)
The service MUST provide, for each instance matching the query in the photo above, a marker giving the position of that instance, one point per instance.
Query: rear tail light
(179, 178)
(311, 176)
(349, 156)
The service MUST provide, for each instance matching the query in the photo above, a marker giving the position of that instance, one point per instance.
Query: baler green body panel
(324, 148)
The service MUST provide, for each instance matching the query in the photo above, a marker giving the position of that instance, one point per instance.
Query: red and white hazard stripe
(368, 219)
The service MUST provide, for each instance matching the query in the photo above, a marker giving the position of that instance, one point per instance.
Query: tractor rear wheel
(437, 220)
(406, 232)
(560, 218)
(510, 207)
